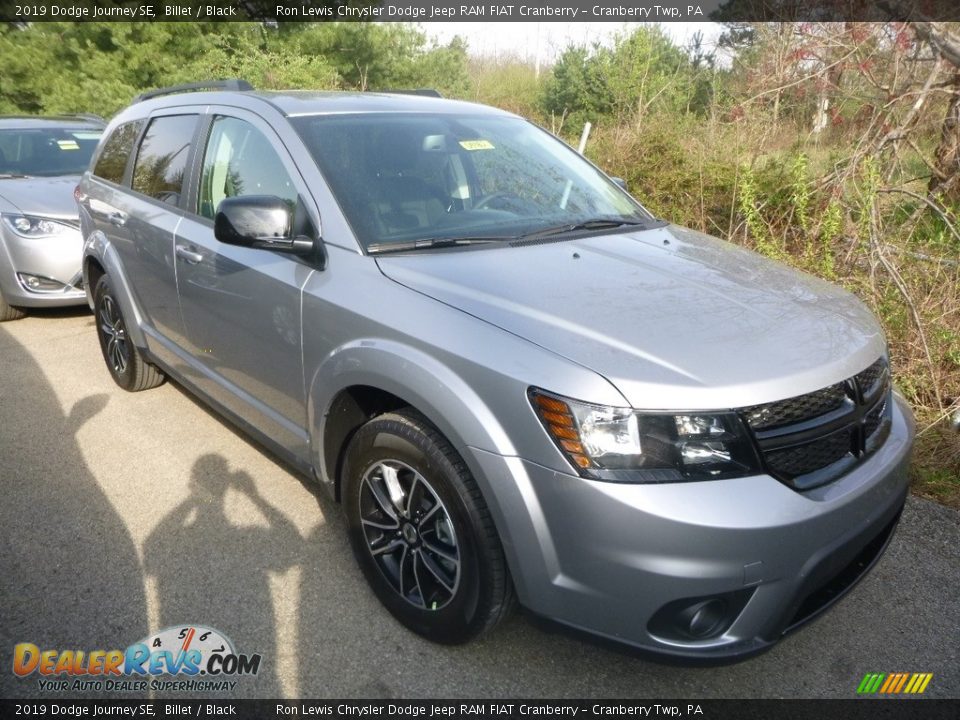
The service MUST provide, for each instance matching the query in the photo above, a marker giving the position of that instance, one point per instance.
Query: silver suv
(41, 159)
(517, 382)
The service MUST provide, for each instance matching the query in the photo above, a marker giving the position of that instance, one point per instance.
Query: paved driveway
(123, 514)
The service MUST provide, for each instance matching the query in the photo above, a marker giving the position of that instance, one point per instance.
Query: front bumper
(56, 259)
(606, 557)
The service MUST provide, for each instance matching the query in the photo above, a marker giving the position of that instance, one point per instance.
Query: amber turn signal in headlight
(620, 444)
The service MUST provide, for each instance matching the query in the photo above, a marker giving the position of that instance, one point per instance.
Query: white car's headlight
(29, 226)
(620, 444)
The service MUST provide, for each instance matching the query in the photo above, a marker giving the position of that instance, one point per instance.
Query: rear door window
(161, 164)
(112, 161)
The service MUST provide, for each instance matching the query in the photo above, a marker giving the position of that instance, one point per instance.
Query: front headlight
(620, 444)
(29, 226)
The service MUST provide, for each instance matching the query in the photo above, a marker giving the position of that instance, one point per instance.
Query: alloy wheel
(409, 534)
(115, 335)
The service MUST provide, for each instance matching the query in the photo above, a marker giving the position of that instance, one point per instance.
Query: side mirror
(621, 183)
(259, 221)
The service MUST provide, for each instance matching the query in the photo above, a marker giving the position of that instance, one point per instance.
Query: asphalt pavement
(123, 514)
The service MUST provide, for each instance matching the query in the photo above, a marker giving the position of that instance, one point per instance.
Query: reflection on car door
(241, 306)
(141, 225)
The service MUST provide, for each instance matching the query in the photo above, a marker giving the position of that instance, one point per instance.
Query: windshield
(47, 151)
(410, 177)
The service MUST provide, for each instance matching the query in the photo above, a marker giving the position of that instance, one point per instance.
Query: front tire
(421, 531)
(125, 362)
(9, 312)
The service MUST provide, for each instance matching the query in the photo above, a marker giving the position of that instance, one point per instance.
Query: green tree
(100, 67)
(576, 88)
(644, 71)
(379, 56)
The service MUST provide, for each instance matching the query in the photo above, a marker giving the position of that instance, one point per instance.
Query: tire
(421, 531)
(124, 361)
(9, 312)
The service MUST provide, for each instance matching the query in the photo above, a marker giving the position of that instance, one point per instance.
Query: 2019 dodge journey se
(518, 383)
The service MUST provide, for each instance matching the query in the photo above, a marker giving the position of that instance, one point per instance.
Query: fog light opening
(704, 619)
(39, 283)
(698, 618)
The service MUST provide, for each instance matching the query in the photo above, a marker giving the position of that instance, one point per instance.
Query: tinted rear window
(116, 151)
(162, 158)
(47, 151)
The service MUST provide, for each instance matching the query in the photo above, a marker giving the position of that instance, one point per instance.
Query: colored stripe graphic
(894, 683)
(923, 679)
(870, 683)
(890, 683)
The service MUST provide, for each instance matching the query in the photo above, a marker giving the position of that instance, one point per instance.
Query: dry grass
(694, 171)
(826, 204)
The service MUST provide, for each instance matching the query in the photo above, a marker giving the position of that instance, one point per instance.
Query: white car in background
(41, 160)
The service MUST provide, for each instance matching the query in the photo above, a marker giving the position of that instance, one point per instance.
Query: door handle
(118, 219)
(189, 255)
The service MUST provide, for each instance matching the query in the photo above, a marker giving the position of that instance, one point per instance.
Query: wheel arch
(92, 272)
(100, 258)
(370, 377)
(349, 410)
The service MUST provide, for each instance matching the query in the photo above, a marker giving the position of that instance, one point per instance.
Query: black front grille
(868, 379)
(815, 438)
(875, 418)
(808, 458)
(795, 409)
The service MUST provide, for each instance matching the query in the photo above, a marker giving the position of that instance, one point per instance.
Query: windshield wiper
(597, 224)
(431, 243)
(11, 176)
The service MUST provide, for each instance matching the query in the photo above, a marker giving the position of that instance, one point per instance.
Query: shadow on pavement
(210, 571)
(71, 577)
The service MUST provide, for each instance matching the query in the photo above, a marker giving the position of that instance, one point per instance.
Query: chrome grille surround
(813, 439)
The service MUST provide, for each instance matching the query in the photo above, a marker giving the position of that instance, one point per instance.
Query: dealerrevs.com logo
(201, 658)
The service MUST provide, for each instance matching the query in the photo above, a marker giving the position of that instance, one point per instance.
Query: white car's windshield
(46, 151)
(405, 179)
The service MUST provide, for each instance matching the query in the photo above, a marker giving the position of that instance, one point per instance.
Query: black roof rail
(89, 116)
(425, 92)
(232, 84)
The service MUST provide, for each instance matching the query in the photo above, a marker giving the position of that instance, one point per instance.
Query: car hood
(46, 196)
(673, 318)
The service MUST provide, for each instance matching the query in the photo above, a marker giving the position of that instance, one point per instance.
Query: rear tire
(421, 531)
(9, 312)
(125, 362)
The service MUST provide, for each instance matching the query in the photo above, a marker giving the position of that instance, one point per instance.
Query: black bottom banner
(856, 709)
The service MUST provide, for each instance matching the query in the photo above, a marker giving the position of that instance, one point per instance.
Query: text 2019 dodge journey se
(517, 382)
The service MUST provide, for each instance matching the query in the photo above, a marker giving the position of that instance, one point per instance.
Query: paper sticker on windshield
(68, 144)
(476, 145)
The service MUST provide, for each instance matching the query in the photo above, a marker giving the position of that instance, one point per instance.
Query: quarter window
(116, 151)
(239, 160)
(162, 158)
